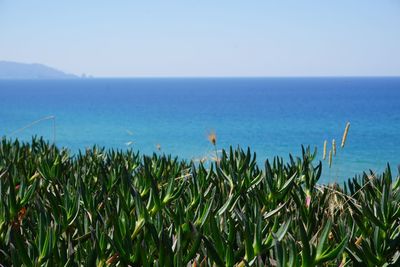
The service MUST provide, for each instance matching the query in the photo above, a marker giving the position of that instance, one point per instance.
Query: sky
(204, 38)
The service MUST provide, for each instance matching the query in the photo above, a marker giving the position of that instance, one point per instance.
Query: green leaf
(332, 254)
(274, 211)
(307, 258)
(322, 240)
(212, 252)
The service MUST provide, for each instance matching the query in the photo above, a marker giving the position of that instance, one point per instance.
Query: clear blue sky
(205, 38)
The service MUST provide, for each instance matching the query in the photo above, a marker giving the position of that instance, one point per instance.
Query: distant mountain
(14, 70)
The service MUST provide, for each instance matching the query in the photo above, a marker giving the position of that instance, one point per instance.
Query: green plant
(119, 208)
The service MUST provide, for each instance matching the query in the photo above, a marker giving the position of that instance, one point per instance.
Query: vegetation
(117, 208)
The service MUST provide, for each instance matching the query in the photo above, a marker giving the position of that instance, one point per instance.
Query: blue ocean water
(274, 116)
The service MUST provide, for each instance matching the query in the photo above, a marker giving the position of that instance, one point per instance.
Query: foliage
(118, 208)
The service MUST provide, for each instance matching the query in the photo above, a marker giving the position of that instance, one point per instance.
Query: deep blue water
(274, 116)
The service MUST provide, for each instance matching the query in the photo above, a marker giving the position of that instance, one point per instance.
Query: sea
(272, 116)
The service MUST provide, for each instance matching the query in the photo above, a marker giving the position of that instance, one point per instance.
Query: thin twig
(52, 117)
(347, 197)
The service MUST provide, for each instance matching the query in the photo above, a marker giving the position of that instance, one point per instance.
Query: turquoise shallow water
(274, 116)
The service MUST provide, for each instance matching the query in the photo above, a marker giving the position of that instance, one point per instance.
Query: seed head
(330, 158)
(212, 137)
(324, 154)
(346, 131)
(334, 147)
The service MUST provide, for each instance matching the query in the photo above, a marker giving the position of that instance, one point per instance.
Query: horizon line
(244, 76)
(91, 77)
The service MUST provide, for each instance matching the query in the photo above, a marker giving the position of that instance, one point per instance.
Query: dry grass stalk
(324, 154)
(53, 118)
(335, 203)
(334, 147)
(346, 131)
(212, 137)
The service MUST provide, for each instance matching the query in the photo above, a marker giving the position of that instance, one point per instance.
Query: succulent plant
(119, 208)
